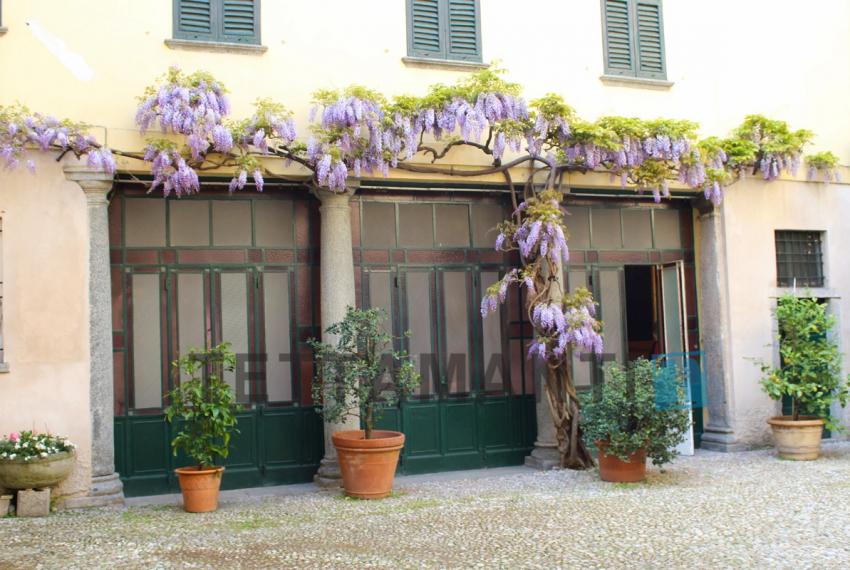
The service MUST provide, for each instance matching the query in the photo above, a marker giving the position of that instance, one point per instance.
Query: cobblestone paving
(713, 511)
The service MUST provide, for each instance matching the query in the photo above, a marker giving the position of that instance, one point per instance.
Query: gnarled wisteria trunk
(564, 323)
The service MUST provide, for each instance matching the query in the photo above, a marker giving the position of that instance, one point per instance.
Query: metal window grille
(799, 259)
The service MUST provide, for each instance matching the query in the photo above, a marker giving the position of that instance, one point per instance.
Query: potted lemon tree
(203, 409)
(628, 419)
(809, 375)
(360, 374)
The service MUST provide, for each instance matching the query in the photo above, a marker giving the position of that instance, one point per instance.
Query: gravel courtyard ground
(744, 510)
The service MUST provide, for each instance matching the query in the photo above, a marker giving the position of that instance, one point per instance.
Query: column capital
(331, 198)
(705, 207)
(95, 183)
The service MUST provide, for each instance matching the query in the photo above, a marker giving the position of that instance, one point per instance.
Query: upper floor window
(633, 33)
(2, 29)
(444, 29)
(230, 21)
(799, 259)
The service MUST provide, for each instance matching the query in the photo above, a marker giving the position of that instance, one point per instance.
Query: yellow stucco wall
(726, 58)
(45, 310)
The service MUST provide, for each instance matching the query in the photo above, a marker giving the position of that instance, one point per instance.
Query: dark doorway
(641, 311)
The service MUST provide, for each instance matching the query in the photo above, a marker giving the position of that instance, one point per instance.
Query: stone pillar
(337, 275)
(714, 321)
(106, 487)
(545, 454)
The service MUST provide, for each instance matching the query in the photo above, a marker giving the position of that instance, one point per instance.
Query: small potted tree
(809, 376)
(628, 421)
(360, 374)
(203, 408)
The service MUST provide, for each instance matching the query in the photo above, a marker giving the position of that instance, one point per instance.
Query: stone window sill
(816, 292)
(636, 82)
(216, 47)
(443, 64)
(4, 367)
(3, 30)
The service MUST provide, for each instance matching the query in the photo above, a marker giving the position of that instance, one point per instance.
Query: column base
(106, 491)
(329, 475)
(544, 457)
(722, 440)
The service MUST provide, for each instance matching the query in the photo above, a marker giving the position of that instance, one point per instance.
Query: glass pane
(231, 222)
(455, 285)
(189, 222)
(452, 225)
(672, 314)
(234, 325)
(274, 223)
(381, 295)
(578, 225)
(611, 309)
(144, 223)
(378, 228)
(491, 325)
(278, 342)
(667, 229)
(419, 323)
(582, 371)
(484, 219)
(147, 345)
(606, 229)
(637, 229)
(416, 225)
(191, 329)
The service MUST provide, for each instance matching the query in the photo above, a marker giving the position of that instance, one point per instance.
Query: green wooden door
(466, 414)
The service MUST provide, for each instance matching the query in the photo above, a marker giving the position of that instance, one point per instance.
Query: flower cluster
(825, 164)
(19, 128)
(29, 445)
(170, 168)
(566, 325)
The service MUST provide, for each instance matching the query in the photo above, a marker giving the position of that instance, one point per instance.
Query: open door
(673, 334)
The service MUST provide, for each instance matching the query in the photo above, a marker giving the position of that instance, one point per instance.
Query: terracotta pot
(615, 470)
(368, 465)
(798, 440)
(200, 488)
(37, 472)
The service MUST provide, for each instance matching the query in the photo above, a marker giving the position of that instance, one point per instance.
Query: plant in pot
(628, 421)
(809, 376)
(360, 374)
(203, 408)
(32, 460)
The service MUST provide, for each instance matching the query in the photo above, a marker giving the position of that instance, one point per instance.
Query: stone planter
(37, 472)
(798, 440)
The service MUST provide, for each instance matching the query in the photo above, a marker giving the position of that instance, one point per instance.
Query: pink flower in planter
(14, 436)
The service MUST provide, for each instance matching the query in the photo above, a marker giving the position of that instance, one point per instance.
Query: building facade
(105, 284)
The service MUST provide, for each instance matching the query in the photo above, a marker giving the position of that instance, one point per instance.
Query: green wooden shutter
(649, 39)
(464, 30)
(193, 20)
(424, 25)
(240, 21)
(619, 44)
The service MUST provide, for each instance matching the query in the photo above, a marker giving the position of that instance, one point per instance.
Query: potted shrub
(628, 421)
(203, 408)
(360, 374)
(31, 460)
(809, 375)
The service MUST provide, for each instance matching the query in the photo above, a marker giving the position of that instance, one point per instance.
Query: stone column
(106, 487)
(545, 454)
(337, 275)
(714, 320)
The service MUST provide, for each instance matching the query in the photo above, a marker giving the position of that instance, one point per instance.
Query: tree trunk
(564, 402)
(368, 421)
